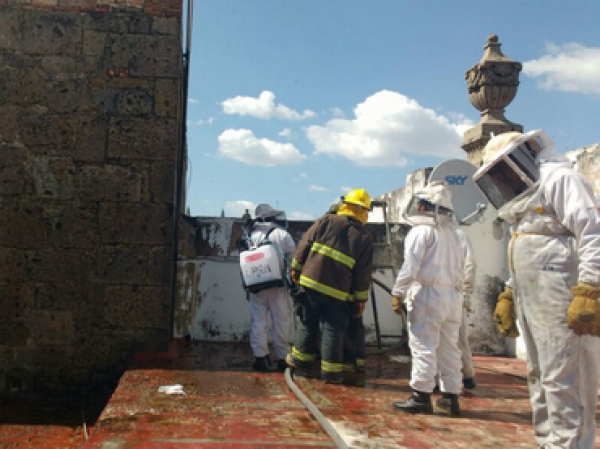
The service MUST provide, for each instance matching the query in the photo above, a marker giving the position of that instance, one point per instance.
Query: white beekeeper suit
(554, 256)
(275, 301)
(430, 282)
(468, 286)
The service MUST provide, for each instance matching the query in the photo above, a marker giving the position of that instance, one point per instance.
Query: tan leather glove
(583, 314)
(359, 308)
(294, 276)
(397, 305)
(504, 314)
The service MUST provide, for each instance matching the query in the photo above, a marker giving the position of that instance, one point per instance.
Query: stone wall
(89, 120)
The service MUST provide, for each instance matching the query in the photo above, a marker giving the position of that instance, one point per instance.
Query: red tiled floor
(227, 406)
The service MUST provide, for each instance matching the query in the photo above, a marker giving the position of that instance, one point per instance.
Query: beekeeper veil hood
(265, 213)
(511, 168)
(431, 205)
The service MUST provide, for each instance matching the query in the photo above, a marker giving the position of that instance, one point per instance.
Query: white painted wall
(219, 311)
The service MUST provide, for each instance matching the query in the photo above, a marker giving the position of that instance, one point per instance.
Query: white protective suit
(468, 285)
(556, 243)
(430, 280)
(276, 300)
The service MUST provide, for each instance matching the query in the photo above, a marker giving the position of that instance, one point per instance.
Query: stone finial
(492, 84)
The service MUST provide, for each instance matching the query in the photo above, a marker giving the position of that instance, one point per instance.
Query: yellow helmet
(360, 197)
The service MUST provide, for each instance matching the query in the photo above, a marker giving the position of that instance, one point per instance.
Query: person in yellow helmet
(333, 263)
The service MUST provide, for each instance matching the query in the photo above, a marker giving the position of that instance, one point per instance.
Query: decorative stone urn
(492, 84)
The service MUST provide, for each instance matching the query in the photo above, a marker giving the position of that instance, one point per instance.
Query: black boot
(469, 383)
(449, 403)
(281, 365)
(417, 403)
(260, 364)
(332, 378)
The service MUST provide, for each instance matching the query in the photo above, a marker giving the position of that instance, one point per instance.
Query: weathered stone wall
(89, 105)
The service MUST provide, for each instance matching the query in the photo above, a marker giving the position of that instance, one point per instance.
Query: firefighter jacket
(335, 257)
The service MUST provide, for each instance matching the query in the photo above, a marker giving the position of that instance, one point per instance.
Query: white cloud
(192, 101)
(263, 107)
(299, 177)
(208, 121)
(572, 68)
(285, 132)
(387, 127)
(243, 146)
(337, 112)
(238, 208)
(301, 216)
(316, 188)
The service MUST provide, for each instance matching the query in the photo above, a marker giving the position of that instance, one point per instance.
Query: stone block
(8, 125)
(12, 153)
(51, 33)
(14, 334)
(21, 83)
(45, 357)
(12, 261)
(166, 25)
(126, 223)
(161, 266)
(109, 183)
(81, 297)
(23, 225)
(48, 134)
(44, 296)
(147, 55)
(161, 181)
(137, 138)
(90, 145)
(10, 31)
(49, 265)
(7, 357)
(73, 226)
(106, 23)
(16, 301)
(94, 43)
(66, 95)
(135, 307)
(51, 327)
(122, 265)
(54, 177)
(140, 24)
(102, 351)
(135, 102)
(14, 179)
(167, 98)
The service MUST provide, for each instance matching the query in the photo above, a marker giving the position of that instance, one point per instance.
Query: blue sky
(292, 103)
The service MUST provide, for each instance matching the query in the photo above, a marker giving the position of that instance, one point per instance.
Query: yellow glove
(397, 305)
(583, 314)
(504, 314)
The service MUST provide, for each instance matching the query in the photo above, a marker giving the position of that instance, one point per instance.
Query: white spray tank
(260, 265)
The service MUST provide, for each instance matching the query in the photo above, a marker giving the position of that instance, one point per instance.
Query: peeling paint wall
(218, 309)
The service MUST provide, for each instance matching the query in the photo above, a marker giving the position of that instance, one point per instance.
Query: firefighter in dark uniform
(333, 263)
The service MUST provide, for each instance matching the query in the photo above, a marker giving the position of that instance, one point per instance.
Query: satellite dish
(467, 198)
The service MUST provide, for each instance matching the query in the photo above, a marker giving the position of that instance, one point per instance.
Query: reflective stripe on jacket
(335, 257)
